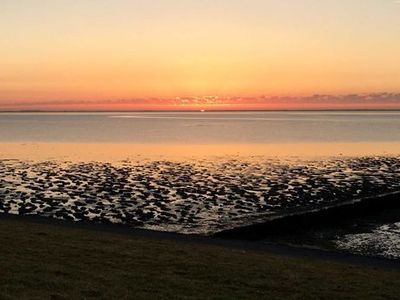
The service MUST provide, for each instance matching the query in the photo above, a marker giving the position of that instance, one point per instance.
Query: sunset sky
(199, 54)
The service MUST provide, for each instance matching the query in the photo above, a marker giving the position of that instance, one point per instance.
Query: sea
(260, 127)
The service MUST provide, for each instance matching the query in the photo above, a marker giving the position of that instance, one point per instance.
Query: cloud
(316, 101)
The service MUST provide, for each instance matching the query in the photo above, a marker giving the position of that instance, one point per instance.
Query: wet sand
(199, 189)
(114, 152)
(200, 196)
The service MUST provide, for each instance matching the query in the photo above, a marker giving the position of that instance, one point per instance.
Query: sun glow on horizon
(67, 55)
(213, 103)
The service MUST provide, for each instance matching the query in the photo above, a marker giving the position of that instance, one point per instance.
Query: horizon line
(201, 110)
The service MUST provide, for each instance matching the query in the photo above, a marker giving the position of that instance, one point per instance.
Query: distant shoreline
(199, 110)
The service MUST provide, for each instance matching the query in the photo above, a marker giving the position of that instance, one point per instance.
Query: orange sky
(86, 54)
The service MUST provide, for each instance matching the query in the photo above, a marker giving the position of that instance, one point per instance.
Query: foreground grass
(54, 262)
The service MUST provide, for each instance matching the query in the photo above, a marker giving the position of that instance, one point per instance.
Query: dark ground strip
(284, 250)
(301, 221)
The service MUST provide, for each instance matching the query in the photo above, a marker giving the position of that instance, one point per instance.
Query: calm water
(201, 127)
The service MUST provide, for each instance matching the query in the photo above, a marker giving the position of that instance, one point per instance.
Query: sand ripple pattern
(199, 196)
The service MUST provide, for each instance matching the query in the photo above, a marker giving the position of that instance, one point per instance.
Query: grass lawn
(40, 261)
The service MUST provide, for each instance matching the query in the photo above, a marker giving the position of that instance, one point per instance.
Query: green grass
(54, 262)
